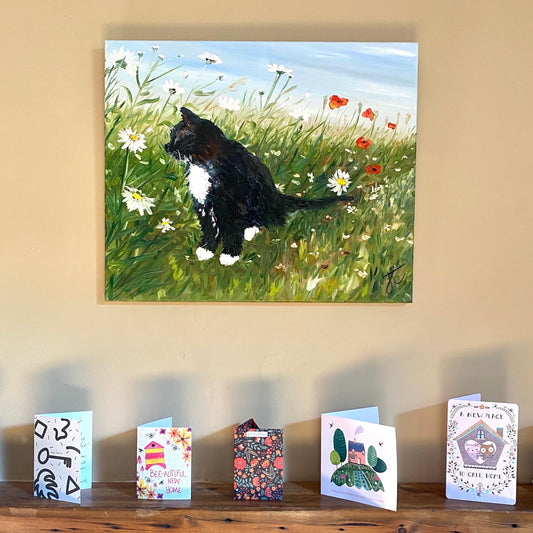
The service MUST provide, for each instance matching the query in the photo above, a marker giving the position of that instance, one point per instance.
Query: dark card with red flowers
(258, 462)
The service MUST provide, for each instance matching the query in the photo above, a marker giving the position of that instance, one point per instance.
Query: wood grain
(114, 507)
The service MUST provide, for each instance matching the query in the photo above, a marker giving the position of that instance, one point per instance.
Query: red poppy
(391, 125)
(239, 463)
(336, 101)
(368, 113)
(278, 463)
(363, 143)
(373, 169)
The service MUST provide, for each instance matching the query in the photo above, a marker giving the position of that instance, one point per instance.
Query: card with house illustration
(163, 461)
(62, 464)
(358, 458)
(257, 462)
(482, 447)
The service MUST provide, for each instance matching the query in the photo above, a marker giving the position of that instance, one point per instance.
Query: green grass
(329, 254)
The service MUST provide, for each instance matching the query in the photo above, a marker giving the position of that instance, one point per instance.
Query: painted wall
(212, 366)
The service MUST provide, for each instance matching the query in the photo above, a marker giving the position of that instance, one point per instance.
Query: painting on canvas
(259, 171)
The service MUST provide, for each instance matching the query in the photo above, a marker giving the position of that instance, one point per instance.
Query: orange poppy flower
(363, 143)
(336, 101)
(368, 113)
(373, 169)
(391, 125)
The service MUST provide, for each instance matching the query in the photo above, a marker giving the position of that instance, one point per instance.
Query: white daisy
(339, 182)
(361, 273)
(311, 177)
(136, 199)
(132, 140)
(171, 87)
(124, 59)
(300, 114)
(229, 103)
(351, 209)
(278, 69)
(165, 225)
(210, 59)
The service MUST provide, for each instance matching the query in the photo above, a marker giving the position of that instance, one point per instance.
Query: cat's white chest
(199, 183)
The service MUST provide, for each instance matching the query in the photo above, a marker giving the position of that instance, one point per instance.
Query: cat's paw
(203, 254)
(227, 260)
(250, 233)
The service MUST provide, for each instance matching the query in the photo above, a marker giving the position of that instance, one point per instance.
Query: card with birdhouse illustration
(482, 447)
(62, 455)
(163, 461)
(257, 463)
(358, 458)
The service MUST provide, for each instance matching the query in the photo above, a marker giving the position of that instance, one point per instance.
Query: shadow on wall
(301, 455)
(212, 455)
(421, 433)
(348, 388)
(17, 452)
(525, 454)
(484, 372)
(154, 399)
(53, 391)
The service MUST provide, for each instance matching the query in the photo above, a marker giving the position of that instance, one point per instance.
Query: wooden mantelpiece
(114, 507)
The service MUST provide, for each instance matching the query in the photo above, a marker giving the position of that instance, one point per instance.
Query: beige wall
(211, 366)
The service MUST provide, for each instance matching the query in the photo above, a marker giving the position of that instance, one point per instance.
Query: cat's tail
(293, 203)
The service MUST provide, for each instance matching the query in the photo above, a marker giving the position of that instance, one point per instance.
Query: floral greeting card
(62, 455)
(482, 450)
(358, 458)
(258, 462)
(163, 461)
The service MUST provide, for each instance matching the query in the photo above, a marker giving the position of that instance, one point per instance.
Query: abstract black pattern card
(482, 450)
(62, 455)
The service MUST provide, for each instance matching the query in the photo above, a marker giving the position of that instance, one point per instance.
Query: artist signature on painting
(392, 279)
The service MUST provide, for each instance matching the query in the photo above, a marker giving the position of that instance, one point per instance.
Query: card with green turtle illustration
(358, 458)
(259, 171)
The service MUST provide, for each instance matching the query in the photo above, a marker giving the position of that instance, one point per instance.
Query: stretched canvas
(259, 171)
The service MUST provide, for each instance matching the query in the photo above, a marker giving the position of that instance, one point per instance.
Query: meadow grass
(342, 253)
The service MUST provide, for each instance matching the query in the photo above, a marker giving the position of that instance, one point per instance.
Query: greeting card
(258, 462)
(62, 464)
(163, 461)
(358, 458)
(481, 450)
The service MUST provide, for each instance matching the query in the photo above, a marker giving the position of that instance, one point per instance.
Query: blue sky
(382, 76)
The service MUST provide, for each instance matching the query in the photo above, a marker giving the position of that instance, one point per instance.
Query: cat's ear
(189, 117)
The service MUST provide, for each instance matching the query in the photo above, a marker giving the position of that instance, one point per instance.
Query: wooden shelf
(114, 507)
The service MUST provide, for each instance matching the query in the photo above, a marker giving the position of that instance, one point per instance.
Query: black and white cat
(233, 191)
